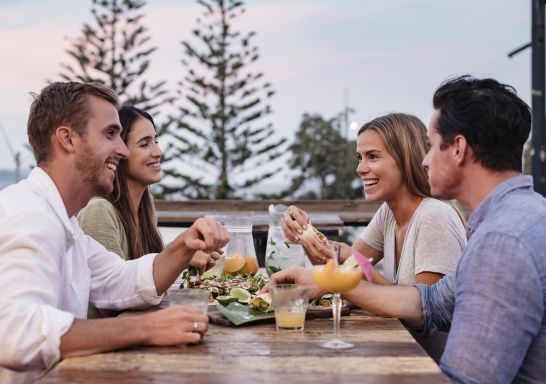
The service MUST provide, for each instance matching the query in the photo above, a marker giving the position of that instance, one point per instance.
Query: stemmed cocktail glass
(336, 279)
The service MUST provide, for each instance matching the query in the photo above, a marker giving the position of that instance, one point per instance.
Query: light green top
(100, 220)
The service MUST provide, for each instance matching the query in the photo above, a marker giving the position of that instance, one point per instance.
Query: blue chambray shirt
(494, 305)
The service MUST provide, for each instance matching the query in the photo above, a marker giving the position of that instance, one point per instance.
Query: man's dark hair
(493, 119)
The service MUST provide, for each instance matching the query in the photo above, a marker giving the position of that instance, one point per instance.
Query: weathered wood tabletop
(384, 352)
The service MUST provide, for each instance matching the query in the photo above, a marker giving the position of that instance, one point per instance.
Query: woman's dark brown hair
(145, 238)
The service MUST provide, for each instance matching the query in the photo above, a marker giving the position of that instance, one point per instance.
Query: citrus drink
(290, 320)
(250, 267)
(233, 264)
(335, 279)
(246, 265)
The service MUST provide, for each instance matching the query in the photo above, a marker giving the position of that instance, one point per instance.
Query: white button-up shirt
(50, 270)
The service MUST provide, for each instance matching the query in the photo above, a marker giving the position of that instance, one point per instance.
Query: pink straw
(364, 264)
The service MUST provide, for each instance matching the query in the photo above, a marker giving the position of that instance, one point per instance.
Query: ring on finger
(195, 326)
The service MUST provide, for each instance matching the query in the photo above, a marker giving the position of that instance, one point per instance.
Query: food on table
(226, 299)
(261, 302)
(311, 232)
(223, 285)
(236, 294)
(242, 295)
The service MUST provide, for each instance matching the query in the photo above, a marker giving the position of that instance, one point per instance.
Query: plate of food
(236, 300)
(258, 309)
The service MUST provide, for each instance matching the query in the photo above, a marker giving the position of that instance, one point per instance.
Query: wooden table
(384, 353)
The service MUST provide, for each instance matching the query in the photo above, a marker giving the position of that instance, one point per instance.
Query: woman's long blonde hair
(405, 137)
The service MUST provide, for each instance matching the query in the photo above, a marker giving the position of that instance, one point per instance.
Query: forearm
(401, 302)
(86, 337)
(170, 263)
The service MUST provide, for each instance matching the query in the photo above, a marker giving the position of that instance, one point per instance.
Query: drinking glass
(290, 302)
(189, 297)
(336, 280)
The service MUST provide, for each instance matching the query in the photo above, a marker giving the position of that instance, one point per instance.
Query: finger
(215, 256)
(196, 327)
(192, 337)
(281, 277)
(196, 244)
(208, 232)
(294, 228)
(289, 234)
(298, 215)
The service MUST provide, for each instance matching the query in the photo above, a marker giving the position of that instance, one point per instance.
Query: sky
(374, 56)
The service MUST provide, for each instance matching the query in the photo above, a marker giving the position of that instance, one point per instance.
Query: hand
(294, 222)
(174, 325)
(204, 261)
(295, 274)
(206, 234)
(319, 251)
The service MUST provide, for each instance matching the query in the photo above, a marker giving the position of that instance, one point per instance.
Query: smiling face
(378, 170)
(100, 148)
(143, 166)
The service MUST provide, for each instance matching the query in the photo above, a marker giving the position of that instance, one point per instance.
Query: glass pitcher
(278, 253)
(240, 255)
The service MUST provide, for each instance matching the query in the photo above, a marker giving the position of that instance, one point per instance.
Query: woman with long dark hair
(125, 221)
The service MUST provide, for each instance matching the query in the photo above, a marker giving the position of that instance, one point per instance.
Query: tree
(219, 134)
(324, 162)
(116, 52)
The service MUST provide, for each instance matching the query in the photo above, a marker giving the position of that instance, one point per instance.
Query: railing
(184, 213)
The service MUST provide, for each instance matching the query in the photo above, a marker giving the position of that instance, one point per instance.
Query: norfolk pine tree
(220, 134)
(115, 51)
(324, 162)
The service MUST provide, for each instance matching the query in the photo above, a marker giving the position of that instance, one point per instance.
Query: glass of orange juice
(290, 302)
(336, 279)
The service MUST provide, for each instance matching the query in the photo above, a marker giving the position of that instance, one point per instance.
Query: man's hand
(171, 326)
(174, 325)
(204, 261)
(206, 234)
(297, 275)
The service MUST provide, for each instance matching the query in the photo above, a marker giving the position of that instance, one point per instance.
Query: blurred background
(257, 98)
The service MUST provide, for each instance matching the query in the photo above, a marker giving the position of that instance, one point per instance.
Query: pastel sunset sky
(383, 56)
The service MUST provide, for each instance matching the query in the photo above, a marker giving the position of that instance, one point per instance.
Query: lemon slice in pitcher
(233, 264)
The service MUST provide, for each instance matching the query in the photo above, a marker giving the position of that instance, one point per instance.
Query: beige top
(434, 241)
(100, 220)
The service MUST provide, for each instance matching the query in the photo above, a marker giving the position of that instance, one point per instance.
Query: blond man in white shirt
(49, 269)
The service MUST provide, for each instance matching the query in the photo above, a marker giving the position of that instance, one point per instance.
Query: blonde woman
(419, 238)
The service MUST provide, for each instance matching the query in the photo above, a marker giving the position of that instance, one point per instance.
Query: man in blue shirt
(494, 305)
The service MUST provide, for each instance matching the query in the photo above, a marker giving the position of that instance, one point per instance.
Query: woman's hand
(319, 251)
(294, 222)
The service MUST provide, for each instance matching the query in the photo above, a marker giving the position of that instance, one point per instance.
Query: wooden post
(538, 152)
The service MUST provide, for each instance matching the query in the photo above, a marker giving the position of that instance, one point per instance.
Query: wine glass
(335, 279)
